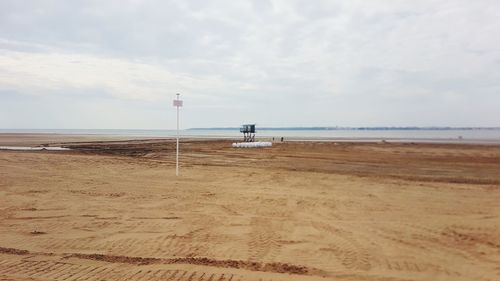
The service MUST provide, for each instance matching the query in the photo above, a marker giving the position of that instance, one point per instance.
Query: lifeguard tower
(248, 131)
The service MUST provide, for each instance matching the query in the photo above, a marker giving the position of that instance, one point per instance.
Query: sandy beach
(113, 209)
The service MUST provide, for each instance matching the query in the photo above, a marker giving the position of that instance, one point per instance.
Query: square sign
(178, 103)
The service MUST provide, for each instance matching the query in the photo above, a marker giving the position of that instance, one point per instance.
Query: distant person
(281, 139)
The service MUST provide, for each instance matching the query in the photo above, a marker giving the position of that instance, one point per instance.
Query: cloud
(36, 73)
(349, 63)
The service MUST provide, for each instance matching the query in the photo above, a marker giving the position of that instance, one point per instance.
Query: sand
(294, 211)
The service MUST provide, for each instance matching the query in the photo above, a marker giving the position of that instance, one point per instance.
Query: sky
(117, 64)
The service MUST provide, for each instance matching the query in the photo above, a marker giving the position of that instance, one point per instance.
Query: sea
(446, 135)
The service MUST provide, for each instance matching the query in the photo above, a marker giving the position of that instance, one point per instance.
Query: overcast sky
(118, 64)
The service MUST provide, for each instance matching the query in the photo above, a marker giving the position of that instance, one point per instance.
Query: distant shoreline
(348, 128)
(356, 134)
(57, 139)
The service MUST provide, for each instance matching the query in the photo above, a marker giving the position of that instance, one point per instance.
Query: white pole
(177, 156)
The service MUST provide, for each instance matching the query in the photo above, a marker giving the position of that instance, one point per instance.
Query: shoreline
(47, 139)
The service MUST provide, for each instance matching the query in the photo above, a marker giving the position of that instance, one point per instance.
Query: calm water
(475, 134)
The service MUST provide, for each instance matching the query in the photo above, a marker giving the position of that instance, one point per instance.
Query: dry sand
(296, 211)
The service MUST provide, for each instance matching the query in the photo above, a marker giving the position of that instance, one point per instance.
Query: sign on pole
(177, 103)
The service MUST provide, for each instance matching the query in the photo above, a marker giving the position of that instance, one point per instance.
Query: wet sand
(114, 210)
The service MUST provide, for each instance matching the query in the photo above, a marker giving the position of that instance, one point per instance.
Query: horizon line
(281, 128)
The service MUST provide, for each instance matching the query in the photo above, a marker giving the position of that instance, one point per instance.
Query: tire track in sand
(152, 246)
(346, 249)
(15, 268)
(73, 266)
(264, 241)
